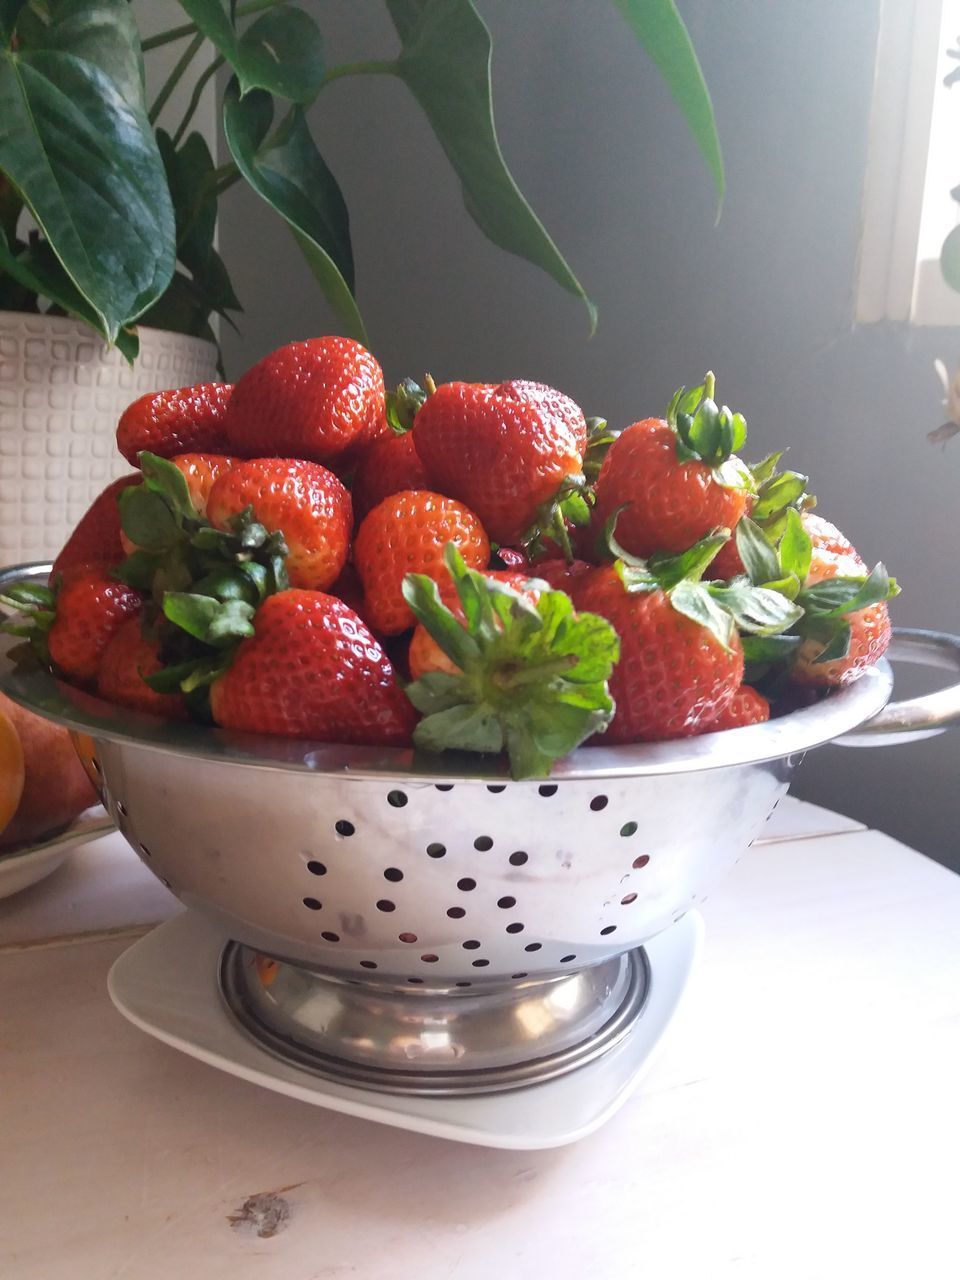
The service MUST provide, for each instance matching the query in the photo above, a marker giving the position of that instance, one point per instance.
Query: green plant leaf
(9, 13)
(660, 29)
(282, 52)
(210, 18)
(290, 174)
(445, 62)
(103, 32)
(108, 218)
(40, 271)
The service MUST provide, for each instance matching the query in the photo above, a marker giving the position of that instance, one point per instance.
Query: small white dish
(166, 984)
(26, 865)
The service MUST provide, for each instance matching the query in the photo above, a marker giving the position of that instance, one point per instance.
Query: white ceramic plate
(166, 984)
(22, 867)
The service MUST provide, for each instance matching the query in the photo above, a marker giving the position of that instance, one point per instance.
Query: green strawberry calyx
(570, 505)
(782, 565)
(532, 674)
(35, 607)
(725, 609)
(710, 434)
(203, 584)
(777, 492)
(402, 404)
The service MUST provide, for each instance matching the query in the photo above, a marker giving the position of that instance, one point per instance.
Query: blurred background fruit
(43, 786)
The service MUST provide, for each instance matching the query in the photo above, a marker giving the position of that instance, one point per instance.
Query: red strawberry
(506, 457)
(559, 574)
(302, 500)
(186, 420)
(96, 539)
(312, 670)
(674, 675)
(826, 537)
(676, 480)
(387, 467)
(91, 607)
(425, 655)
(870, 630)
(551, 402)
(126, 660)
(407, 533)
(201, 471)
(747, 707)
(315, 399)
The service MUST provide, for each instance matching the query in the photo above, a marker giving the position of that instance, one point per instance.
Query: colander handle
(915, 718)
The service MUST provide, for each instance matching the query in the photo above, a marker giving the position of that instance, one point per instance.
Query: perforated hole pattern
(444, 883)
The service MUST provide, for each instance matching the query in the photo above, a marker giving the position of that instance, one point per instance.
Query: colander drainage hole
(533, 946)
(121, 809)
(316, 868)
(407, 937)
(548, 789)
(145, 851)
(518, 859)
(598, 803)
(456, 913)
(610, 928)
(443, 786)
(368, 964)
(641, 861)
(627, 899)
(567, 959)
(393, 873)
(344, 828)
(482, 844)
(516, 927)
(495, 790)
(518, 975)
(464, 984)
(436, 850)
(312, 903)
(330, 937)
(506, 903)
(628, 829)
(397, 799)
(466, 884)
(429, 959)
(480, 964)
(386, 905)
(471, 944)
(415, 981)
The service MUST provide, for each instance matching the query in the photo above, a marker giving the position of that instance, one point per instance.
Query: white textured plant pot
(61, 394)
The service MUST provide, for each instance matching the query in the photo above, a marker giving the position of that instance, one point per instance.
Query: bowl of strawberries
(448, 691)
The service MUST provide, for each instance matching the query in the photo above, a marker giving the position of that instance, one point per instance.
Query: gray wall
(765, 298)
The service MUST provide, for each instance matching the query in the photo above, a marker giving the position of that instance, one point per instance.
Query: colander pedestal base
(166, 984)
(437, 1041)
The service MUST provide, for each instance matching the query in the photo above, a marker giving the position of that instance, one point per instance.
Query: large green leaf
(37, 269)
(281, 51)
(86, 164)
(103, 32)
(289, 173)
(445, 61)
(9, 12)
(660, 29)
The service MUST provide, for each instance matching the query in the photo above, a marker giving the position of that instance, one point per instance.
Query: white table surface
(802, 1119)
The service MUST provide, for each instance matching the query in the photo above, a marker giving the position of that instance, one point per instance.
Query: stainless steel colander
(432, 925)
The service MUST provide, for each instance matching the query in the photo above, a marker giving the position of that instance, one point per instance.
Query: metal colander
(436, 926)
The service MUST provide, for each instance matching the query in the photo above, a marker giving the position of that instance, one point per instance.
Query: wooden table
(802, 1119)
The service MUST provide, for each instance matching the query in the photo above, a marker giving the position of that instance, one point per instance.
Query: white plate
(22, 867)
(166, 984)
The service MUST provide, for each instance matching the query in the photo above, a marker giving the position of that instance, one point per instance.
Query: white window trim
(895, 281)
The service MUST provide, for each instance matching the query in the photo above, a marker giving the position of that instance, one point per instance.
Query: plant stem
(194, 102)
(190, 28)
(381, 66)
(173, 79)
(227, 181)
